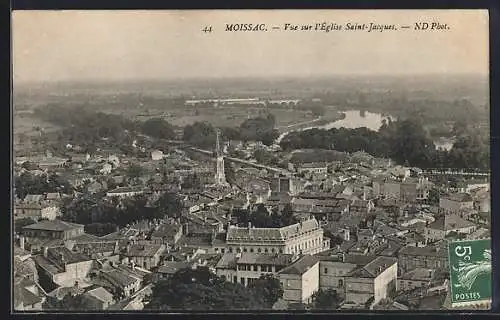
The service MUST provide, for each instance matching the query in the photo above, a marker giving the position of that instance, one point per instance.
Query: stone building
(305, 237)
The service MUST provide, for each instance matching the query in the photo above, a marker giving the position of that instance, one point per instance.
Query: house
(27, 296)
(99, 298)
(169, 268)
(430, 257)
(124, 192)
(482, 200)
(300, 280)
(121, 283)
(446, 225)
(167, 234)
(416, 278)
(51, 229)
(25, 268)
(246, 267)
(456, 202)
(332, 273)
(64, 267)
(145, 256)
(376, 280)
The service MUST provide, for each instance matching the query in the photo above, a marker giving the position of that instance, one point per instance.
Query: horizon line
(249, 77)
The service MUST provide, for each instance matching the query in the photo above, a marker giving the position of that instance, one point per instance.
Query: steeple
(220, 177)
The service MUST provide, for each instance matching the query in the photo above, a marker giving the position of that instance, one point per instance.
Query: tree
(199, 289)
(287, 217)
(260, 218)
(169, 204)
(192, 181)
(158, 128)
(326, 299)
(268, 287)
(434, 196)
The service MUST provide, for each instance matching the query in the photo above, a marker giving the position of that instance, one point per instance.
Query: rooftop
(227, 261)
(53, 225)
(428, 251)
(420, 274)
(142, 250)
(301, 266)
(459, 197)
(101, 294)
(374, 268)
(119, 278)
(450, 222)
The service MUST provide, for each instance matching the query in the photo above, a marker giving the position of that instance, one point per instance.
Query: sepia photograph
(245, 160)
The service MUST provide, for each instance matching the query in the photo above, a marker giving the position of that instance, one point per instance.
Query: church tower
(220, 177)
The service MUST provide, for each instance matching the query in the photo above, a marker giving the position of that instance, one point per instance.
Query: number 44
(207, 29)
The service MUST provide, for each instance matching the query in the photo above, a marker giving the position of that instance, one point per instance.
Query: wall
(292, 287)
(334, 277)
(384, 281)
(359, 290)
(434, 234)
(410, 262)
(310, 282)
(406, 285)
(74, 271)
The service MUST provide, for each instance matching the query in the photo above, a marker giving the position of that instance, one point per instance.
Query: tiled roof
(85, 237)
(380, 263)
(101, 294)
(33, 198)
(119, 278)
(167, 230)
(141, 250)
(459, 197)
(53, 225)
(69, 257)
(421, 274)
(227, 261)
(25, 296)
(431, 251)
(450, 222)
(300, 266)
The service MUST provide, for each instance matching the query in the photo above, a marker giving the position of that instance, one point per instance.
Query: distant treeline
(88, 128)
(406, 142)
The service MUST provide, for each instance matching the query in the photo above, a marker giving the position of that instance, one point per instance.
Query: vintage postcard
(242, 160)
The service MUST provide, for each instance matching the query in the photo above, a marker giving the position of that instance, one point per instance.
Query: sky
(127, 45)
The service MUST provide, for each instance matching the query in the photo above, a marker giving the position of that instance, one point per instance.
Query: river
(354, 119)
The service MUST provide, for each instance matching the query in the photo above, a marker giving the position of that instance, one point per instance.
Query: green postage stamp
(470, 272)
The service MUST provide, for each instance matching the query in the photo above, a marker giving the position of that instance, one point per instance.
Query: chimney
(249, 224)
(45, 252)
(128, 247)
(21, 242)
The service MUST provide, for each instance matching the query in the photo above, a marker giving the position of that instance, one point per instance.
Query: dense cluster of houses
(366, 229)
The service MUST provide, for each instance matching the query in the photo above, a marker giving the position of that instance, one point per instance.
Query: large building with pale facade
(305, 237)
